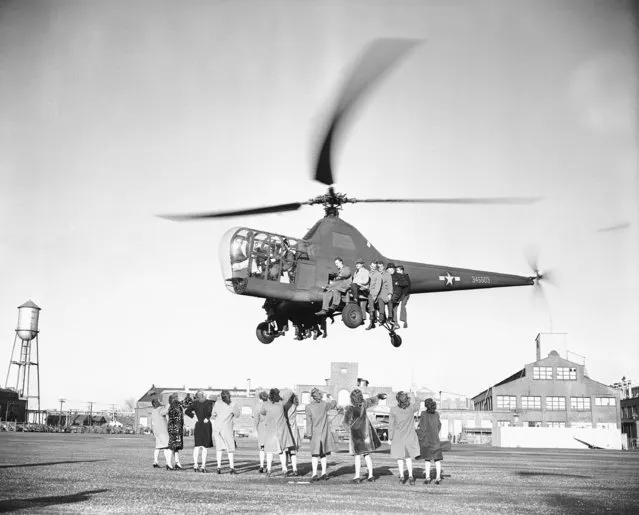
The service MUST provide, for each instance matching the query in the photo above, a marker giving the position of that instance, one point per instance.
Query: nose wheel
(396, 339)
(265, 333)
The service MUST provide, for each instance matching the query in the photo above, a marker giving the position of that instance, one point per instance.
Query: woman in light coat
(364, 439)
(223, 413)
(278, 433)
(318, 430)
(402, 435)
(161, 433)
(260, 428)
(290, 408)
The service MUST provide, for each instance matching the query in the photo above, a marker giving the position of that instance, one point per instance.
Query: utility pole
(62, 401)
(113, 412)
(90, 414)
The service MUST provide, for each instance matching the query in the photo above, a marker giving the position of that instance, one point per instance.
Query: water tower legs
(23, 383)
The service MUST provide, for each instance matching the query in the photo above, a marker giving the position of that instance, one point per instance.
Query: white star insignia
(450, 279)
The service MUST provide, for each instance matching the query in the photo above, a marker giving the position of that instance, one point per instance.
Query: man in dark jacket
(332, 297)
(401, 294)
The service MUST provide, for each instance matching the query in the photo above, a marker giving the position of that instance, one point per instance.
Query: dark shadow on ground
(527, 473)
(573, 504)
(43, 502)
(46, 464)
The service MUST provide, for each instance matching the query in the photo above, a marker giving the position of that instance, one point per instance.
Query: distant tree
(130, 403)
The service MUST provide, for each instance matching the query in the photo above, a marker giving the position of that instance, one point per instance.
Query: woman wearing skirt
(402, 435)
(429, 443)
(203, 431)
(364, 439)
(223, 413)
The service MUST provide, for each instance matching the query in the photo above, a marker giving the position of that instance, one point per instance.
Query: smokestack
(248, 387)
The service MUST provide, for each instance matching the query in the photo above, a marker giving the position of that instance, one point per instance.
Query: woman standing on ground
(402, 435)
(318, 430)
(176, 426)
(290, 409)
(203, 428)
(161, 433)
(260, 427)
(223, 413)
(428, 434)
(278, 434)
(364, 439)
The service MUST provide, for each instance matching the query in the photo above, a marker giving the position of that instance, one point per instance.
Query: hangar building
(551, 392)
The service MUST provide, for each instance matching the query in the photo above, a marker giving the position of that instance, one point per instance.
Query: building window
(306, 397)
(556, 424)
(506, 402)
(344, 370)
(542, 372)
(532, 423)
(581, 425)
(605, 401)
(566, 374)
(580, 403)
(247, 410)
(555, 403)
(503, 423)
(530, 402)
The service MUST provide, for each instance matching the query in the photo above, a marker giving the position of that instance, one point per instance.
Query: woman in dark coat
(429, 444)
(364, 439)
(318, 430)
(176, 426)
(203, 428)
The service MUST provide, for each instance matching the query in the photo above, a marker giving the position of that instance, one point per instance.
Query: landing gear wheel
(396, 340)
(264, 333)
(352, 315)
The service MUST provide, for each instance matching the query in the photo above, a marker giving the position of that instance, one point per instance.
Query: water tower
(25, 357)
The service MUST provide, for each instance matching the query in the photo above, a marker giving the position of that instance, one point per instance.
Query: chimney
(248, 387)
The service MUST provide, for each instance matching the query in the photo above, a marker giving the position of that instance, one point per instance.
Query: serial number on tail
(480, 279)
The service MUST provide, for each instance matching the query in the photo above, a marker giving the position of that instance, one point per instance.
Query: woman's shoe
(356, 480)
(427, 482)
(314, 479)
(411, 480)
(261, 470)
(156, 466)
(169, 468)
(324, 477)
(195, 469)
(437, 481)
(178, 467)
(371, 479)
(203, 470)
(232, 471)
(402, 480)
(219, 470)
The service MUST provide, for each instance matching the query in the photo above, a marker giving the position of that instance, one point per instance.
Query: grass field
(81, 473)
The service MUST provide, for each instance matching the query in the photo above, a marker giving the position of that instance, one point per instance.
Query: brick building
(551, 392)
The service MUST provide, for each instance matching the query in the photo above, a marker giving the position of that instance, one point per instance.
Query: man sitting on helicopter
(332, 297)
(360, 285)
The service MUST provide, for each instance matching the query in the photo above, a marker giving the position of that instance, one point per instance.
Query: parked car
(241, 433)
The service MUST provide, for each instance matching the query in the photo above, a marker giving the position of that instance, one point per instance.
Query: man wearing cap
(361, 281)
(386, 291)
(333, 295)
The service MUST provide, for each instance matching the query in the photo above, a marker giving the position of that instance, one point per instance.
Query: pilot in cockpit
(239, 257)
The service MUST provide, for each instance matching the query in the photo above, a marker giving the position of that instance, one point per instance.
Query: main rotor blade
(376, 60)
(478, 200)
(293, 206)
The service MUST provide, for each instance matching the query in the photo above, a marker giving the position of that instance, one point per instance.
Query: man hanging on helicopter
(332, 297)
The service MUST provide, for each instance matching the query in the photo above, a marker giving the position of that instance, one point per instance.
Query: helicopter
(292, 274)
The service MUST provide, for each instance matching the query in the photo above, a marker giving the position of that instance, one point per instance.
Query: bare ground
(82, 473)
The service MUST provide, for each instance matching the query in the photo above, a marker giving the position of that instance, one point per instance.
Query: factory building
(629, 411)
(551, 392)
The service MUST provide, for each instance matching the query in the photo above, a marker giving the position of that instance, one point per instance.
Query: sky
(114, 112)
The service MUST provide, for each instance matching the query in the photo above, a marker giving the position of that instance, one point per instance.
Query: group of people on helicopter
(380, 292)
